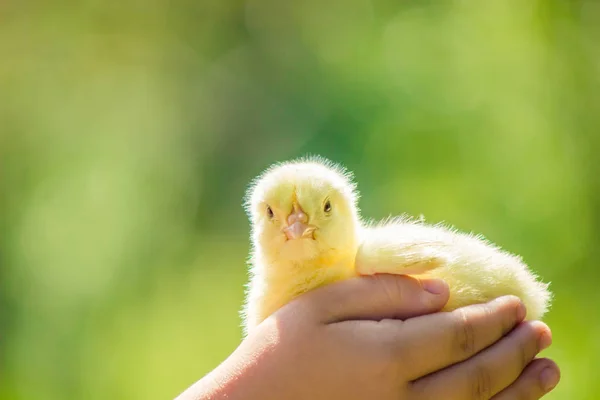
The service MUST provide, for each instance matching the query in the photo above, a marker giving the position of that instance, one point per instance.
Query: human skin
(382, 337)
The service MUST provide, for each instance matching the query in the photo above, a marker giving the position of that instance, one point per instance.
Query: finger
(539, 378)
(489, 372)
(442, 339)
(377, 297)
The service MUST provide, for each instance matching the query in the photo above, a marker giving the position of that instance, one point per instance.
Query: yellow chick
(307, 232)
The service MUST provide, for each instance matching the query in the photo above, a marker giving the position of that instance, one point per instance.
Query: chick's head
(303, 210)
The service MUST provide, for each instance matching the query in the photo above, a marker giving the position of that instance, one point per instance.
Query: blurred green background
(130, 129)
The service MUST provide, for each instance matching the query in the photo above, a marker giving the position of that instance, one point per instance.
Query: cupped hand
(381, 337)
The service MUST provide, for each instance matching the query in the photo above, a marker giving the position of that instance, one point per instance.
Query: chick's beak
(298, 227)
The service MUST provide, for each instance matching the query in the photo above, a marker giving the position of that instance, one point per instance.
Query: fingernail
(544, 341)
(434, 286)
(548, 378)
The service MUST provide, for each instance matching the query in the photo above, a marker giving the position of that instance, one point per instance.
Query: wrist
(233, 379)
(216, 385)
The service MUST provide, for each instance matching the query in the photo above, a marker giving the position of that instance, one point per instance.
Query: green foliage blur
(129, 131)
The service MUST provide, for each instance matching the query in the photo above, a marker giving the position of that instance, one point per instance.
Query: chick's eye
(269, 212)
(327, 207)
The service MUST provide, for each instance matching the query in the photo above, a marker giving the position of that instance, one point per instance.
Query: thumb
(377, 297)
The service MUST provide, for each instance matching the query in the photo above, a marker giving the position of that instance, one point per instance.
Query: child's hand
(332, 343)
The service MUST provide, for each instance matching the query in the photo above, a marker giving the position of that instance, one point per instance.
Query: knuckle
(487, 311)
(464, 335)
(392, 288)
(482, 384)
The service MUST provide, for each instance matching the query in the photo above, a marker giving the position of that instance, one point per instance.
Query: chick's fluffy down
(476, 270)
(324, 196)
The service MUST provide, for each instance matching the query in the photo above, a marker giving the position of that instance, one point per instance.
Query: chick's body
(307, 232)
